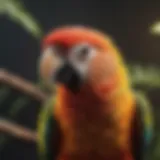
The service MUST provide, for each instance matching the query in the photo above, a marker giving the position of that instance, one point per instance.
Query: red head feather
(69, 36)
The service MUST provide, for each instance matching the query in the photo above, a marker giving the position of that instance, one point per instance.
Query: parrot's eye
(83, 52)
(80, 57)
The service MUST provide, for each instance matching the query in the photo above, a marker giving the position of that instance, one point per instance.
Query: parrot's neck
(88, 105)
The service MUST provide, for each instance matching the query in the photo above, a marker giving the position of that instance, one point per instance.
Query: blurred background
(135, 27)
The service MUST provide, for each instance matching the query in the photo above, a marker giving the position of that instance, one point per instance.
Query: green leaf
(20, 103)
(16, 12)
(145, 76)
(155, 28)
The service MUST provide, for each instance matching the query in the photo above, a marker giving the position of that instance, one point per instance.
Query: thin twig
(17, 131)
(22, 85)
(28, 88)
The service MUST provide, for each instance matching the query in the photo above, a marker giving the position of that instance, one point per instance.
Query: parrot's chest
(99, 137)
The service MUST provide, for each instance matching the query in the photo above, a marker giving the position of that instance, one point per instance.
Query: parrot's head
(78, 58)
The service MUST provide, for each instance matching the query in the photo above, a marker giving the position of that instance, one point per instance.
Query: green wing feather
(146, 115)
(48, 132)
(142, 132)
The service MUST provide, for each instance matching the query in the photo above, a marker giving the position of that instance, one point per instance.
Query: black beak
(68, 76)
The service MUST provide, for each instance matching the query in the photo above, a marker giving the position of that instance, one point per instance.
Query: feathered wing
(48, 133)
(142, 130)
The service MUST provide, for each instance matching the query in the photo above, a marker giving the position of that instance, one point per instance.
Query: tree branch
(17, 131)
(22, 85)
(28, 88)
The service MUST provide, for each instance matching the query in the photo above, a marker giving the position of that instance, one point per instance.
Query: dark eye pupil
(84, 51)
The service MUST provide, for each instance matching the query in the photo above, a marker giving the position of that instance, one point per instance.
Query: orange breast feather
(93, 134)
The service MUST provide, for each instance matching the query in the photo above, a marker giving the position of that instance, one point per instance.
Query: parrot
(93, 113)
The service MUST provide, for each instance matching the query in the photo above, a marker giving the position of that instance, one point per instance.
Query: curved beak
(69, 77)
